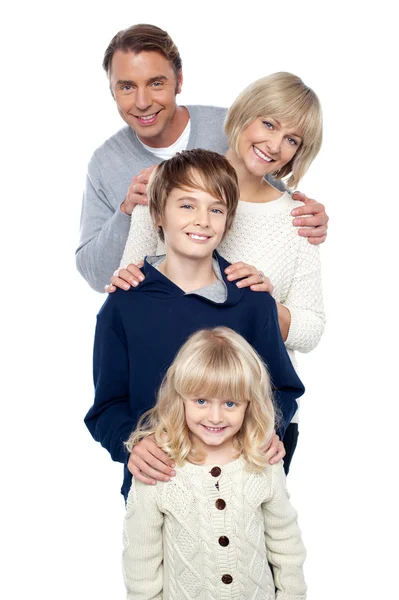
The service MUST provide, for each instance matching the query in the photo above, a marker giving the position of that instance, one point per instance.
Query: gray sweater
(104, 227)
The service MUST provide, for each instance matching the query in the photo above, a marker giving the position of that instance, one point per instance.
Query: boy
(193, 198)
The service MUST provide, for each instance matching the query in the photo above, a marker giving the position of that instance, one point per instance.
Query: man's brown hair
(143, 38)
(193, 169)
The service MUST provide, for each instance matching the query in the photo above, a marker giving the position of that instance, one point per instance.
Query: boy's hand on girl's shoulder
(149, 464)
(274, 450)
(125, 278)
(249, 277)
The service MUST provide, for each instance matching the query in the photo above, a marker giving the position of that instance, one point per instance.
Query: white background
(61, 509)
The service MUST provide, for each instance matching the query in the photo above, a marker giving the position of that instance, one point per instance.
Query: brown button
(224, 541)
(220, 504)
(215, 472)
(227, 579)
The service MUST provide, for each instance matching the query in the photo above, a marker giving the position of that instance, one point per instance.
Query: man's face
(144, 86)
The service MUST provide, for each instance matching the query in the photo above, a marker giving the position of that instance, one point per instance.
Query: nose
(143, 98)
(215, 415)
(202, 218)
(274, 144)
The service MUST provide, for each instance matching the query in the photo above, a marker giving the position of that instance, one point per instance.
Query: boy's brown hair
(193, 169)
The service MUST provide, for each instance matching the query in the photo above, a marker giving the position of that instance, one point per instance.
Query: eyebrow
(292, 133)
(151, 80)
(295, 135)
(192, 199)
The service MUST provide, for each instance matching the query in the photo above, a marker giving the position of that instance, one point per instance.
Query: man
(145, 74)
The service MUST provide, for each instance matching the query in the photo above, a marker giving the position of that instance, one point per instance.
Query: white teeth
(198, 237)
(263, 156)
(214, 428)
(147, 118)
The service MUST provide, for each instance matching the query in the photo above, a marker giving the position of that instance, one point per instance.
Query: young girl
(224, 521)
(274, 128)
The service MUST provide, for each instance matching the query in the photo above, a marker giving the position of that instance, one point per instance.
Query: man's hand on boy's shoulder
(313, 217)
(137, 191)
(149, 464)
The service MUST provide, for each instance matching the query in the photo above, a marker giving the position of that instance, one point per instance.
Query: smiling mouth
(262, 155)
(213, 429)
(147, 119)
(197, 237)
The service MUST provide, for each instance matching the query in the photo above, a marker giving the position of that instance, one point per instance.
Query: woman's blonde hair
(285, 98)
(213, 363)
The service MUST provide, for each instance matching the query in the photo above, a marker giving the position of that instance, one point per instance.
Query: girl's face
(267, 145)
(214, 421)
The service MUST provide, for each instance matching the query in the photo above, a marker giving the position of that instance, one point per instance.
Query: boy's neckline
(174, 275)
(218, 278)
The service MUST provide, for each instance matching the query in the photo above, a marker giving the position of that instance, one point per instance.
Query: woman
(274, 128)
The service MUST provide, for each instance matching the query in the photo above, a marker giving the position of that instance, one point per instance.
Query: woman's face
(267, 145)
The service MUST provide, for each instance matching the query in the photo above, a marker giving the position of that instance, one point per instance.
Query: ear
(179, 83)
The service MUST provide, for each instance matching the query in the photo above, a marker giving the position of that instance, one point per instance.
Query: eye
(157, 84)
(230, 404)
(186, 206)
(201, 401)
(292, 141)
(217, 211)
(268, 125)
(126, 88)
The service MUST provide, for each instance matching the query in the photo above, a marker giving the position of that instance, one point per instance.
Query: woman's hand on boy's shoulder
(274, 450)
(125, 278)
(149, 464)
(249, 276)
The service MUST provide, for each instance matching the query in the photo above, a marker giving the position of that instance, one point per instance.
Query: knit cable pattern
(188, 515)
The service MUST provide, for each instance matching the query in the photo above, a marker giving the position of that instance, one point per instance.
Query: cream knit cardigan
(209, 534)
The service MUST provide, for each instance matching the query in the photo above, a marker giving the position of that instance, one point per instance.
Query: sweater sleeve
(109, 420)
(103, 232)
(305, 300)
(285, 549)
(285, 382)
(143, 546)
(142, 238)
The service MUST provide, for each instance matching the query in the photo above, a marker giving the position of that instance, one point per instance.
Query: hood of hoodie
(157, 285)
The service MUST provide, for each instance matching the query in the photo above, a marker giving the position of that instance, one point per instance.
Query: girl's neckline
(231, 467)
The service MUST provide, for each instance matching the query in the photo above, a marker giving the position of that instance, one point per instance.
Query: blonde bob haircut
(213, 363)
(285, 98)
(193, 169)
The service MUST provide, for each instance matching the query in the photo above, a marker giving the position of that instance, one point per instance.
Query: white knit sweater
(262, 235)
(209, 533)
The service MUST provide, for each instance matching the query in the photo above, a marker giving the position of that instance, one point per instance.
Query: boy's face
(193, 223)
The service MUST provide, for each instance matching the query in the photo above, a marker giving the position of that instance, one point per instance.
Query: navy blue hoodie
(138, 334)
